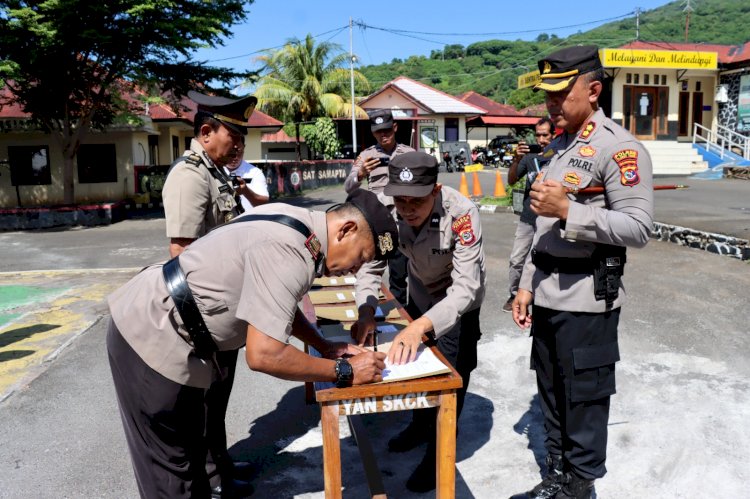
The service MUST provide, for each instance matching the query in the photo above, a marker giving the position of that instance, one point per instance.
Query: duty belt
(552, 264)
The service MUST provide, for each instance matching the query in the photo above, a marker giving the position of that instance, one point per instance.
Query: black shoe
(550, 484)
(508, 307)
(410, 437)
(235, 489)
(422, 478)
(242, 469)
(574, 487)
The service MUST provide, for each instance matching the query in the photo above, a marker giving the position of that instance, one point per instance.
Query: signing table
(412, 394)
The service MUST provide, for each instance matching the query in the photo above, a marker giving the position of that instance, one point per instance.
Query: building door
(697, 109)
(643, 112)
(683, 114)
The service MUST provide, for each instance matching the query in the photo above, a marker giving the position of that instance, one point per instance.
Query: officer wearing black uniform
(574, 270)
(198, 196)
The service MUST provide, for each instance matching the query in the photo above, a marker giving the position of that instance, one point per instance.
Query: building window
(645, 79)
(628, 78)
(636, 78)
(175, 147)
(697, 86)
(656, 79)
(451, 129)
(29, 165)
(663, 79)
(97, 163)
(153, 149)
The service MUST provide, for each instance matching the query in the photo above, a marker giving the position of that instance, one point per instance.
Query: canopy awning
(501, 121)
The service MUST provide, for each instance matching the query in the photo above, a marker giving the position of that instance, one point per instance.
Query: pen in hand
(375, 340)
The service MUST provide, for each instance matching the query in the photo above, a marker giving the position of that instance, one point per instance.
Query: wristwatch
(344, 373)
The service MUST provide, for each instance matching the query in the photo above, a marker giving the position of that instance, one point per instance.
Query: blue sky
(272, 22)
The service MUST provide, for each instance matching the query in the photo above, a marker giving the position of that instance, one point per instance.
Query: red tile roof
(726, 54)
(492, 107)
(157, 112)
(539, 110)
(279, 136)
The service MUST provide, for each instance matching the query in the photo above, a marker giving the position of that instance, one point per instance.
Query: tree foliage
(322, 137)
(304, 80)
(492, 67)
(72, 63)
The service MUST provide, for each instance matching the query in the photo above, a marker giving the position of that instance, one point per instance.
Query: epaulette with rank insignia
(193, 159)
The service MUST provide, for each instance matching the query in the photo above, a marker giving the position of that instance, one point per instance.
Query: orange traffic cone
(476, 188)
(463, 187)
(499, 187)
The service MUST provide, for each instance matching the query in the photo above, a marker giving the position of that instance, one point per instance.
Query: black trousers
(219, 464)
(459, 346)
(574, 355)
(164, 425)
(398, 274)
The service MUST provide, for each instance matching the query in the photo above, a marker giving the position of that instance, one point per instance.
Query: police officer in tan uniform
(440, 233)
(574, 271)
(238, 285)
(372, 165)
(198, 196)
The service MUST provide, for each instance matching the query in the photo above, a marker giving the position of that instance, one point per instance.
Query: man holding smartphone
(524, 164)
(372, 165)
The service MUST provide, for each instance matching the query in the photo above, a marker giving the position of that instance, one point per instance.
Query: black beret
(380, 220)
(233, 113)
(560, 69)
(380, 119)
(412, 174)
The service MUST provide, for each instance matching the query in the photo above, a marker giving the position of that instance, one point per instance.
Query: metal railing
(723, 139)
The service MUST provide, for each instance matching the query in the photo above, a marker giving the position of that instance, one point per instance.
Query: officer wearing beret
(198, 196)
(372, 165)
(574, 271)
(238, 285)
(440, 233)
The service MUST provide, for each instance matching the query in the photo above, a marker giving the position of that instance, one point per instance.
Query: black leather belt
(556, 265)
(183, 299)
(185, 304)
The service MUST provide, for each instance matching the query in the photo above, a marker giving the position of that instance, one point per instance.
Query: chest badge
(435, 221)
(572, 178)
(586, 151)
(406, 175)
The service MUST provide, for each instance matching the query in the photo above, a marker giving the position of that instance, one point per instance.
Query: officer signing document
(237, 285)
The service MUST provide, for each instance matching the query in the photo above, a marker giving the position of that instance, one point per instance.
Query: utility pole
(351, 85)
(637, 23)
(688, 10)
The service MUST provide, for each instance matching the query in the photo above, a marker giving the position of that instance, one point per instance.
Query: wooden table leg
(329, 418)
(445, 466)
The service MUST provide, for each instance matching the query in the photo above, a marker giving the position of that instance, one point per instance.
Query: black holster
(609, 266)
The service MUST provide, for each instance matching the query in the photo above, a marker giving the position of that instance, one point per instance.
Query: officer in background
(574, 271)
(198, 196)
(238, 285)
(440, 233)
(372, 165)
(525, 164)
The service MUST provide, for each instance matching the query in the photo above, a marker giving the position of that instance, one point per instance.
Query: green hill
(492, 67)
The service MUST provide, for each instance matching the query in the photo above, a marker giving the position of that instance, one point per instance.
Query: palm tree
(303, 81)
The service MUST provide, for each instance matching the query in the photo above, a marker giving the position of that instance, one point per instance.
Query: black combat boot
(550, 484)
(574, 487)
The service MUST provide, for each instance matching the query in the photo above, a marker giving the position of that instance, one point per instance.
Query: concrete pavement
(678, 420)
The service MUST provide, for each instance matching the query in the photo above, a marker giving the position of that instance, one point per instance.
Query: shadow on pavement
(22, 333)
(285, 466)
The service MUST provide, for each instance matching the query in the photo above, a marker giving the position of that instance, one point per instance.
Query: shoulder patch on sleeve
(627, 160)
(463, 230)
